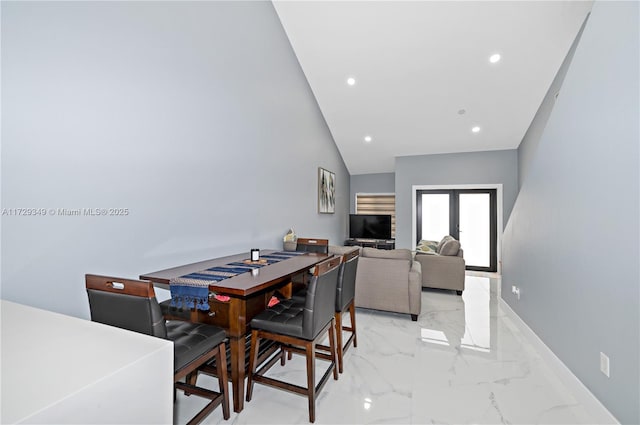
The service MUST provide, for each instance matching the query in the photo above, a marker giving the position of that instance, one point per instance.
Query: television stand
(371, 243)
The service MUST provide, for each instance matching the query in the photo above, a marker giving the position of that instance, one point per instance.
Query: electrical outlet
(604, 364)
(516, 291)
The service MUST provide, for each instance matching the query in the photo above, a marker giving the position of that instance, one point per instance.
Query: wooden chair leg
(253, 363)
(223, 379)
(191, 380)
(311, 379)
(338, 318)
(257, 372)
(332, 347)
(352, 315)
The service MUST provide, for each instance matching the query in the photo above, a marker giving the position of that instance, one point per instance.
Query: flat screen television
(369, 226)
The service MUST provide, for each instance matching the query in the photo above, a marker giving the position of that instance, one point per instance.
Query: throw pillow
(428, 247)
(450, 248)
(447, 238)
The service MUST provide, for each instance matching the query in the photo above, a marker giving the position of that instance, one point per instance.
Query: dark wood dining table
(249, 294)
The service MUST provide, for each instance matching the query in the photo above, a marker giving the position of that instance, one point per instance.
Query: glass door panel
(435, 216)
(468, 215)
(474, 228)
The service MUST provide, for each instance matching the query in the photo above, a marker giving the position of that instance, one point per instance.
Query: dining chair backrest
(313, 245)
(127, 304)
(346, 289)
(320, 299)
(132, 305)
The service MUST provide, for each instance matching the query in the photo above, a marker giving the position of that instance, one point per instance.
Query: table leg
(287, 290)
(237, 371)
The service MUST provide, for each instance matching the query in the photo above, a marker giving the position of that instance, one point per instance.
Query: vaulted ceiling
(422, 75)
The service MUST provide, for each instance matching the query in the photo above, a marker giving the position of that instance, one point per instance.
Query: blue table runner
(192, 290)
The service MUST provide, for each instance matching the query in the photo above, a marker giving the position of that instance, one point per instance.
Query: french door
(469, 215)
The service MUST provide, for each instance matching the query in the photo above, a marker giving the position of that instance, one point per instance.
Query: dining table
(235, 300)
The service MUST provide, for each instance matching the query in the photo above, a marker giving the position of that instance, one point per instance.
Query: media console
(372, 243)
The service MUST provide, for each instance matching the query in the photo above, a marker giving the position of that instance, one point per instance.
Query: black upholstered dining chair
(313, 245)
(298, 327)
(345, 295)
(320, 246)
(132, 305)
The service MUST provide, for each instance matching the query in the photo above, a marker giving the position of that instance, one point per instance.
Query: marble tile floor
(462, 362)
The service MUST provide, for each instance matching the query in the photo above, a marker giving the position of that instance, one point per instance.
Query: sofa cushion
(444, 240)
(450, 248)
(394, 254)
(427, 247)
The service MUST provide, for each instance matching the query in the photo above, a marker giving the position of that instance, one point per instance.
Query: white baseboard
(582, 394)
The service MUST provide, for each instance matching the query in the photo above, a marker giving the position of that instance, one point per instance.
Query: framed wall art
(326, 191)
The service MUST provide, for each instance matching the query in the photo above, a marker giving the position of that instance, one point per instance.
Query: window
(378, 203)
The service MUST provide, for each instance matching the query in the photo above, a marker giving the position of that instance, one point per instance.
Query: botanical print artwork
(326, 191)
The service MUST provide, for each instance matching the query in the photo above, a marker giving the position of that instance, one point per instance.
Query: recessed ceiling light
(367, 139)
(494, 58)
(351, 81)
(476, 129)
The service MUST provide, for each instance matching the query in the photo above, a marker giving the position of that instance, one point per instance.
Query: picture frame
(326, 191)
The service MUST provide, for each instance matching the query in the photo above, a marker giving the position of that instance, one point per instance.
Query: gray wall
(572, 243)
(370, 183)
(194, 116)
(492, 167)
(529, 143)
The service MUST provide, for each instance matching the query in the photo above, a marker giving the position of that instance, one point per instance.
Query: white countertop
(48, 358)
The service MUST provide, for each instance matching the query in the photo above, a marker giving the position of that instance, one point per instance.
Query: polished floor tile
(462, 362)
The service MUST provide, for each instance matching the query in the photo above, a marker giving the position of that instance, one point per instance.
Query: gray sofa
(389, 280)
(442, 264)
